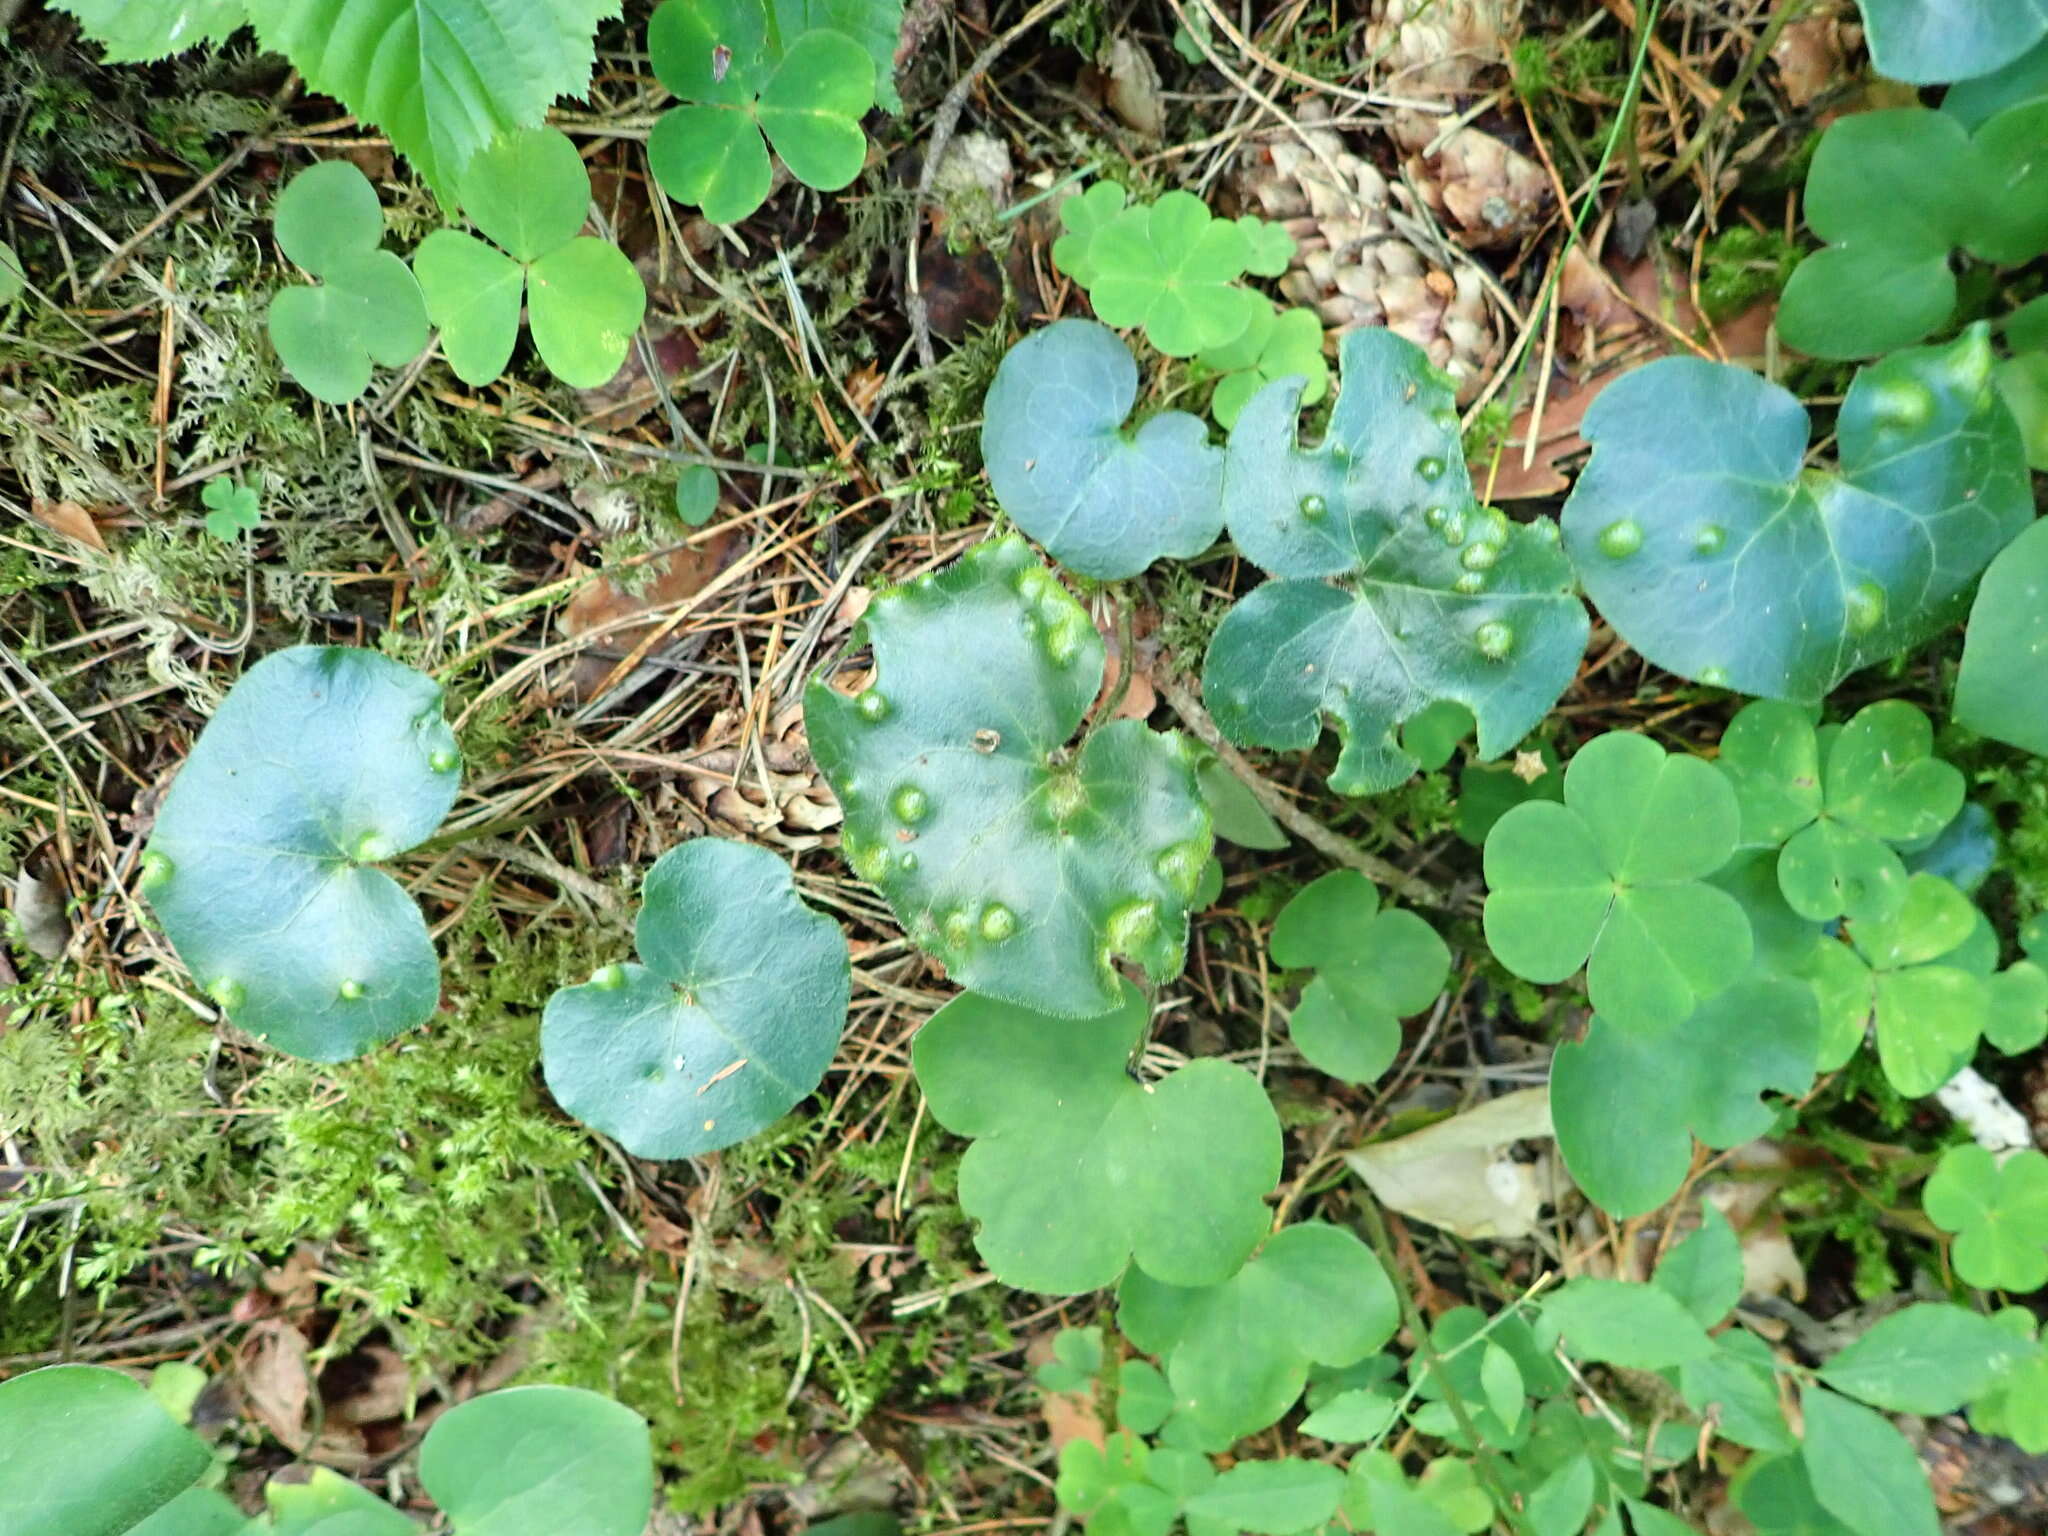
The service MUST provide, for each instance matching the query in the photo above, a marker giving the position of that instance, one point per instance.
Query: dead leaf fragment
(276, 1382)
(70, 520)
(1134, 89)
(1457, 1175)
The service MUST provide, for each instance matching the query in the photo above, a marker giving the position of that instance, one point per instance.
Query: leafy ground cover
(1305, 997)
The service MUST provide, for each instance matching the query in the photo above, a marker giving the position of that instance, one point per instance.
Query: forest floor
(802, 1317)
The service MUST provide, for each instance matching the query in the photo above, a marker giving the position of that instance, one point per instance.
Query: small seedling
(1172, 269)
(1839, 812)
(697, 494)
(1026, 865)
(701, 1046)
(1238, 1354)
(232, 508)
(1929, 41)
(1373, 969)
(1076, 1362)
(1278, 344)
(1615, 879)
(320, 764)
(1895, 193)
(1711, 548)
(1998, 692)
(1105, 501)
(1998, 1212)
(1434, 597)
(742, 81)
(367, 308)
(583, 299)
(1076, 1169)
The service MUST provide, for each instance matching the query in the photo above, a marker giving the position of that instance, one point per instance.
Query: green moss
(1741, 266)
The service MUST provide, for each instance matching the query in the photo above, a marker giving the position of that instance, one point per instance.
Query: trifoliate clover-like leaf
(321, 763)
(1025, 865)
(1894, 194)
(541, 1458)
(1926, 990)
(1269, 249)
(1278, 344)
(1614, 879)
(366, 307)
(1930, 41)
(1998, 692)
(1171, 268)
(1076, 1361)
(877, 25)
(1106, 501)
(231, 508)
(1373, 969)
(1430, 596)
(739, 82)
(1706, 543)
(1082, 217)
(583, 298)
(1076, 1167)
(1628, 1100)
(1839, 813)
(700, 1045)
(1238, 1354)
(441, 78)
(1998, 1212)
(2016, 1007)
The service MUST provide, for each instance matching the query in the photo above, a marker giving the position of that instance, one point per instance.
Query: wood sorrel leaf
(1025, 865)
(1076, 1168)
(1710, 550)
(1998, 692)
(528, 1459)
(1999, 1213)
(1373, 969)
(702, 1046)
(322, 762)
(1930, 41)
(1627, 1102)
(1614, 879)
(1926, 991)
(1434, 597)
(1238, 1354)
(89, 1453)
(1106, 502)
(1172, 268)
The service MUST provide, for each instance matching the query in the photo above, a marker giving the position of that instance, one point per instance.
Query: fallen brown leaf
(69, 519)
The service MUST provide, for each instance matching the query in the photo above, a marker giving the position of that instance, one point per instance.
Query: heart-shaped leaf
(1999, 1213)
(1435, 597)
(530, 193)
(702, 1046)
(1082, 217)
(367, 308)
(320, 763)
(1929, 41)
(529, 1459)
(805, 90)
(1025, 866)
(89, 1453)
(1713, 552)
(1998, 692)
(1077, 1168)
(1926, 991)
(1894, 193)
(1172, 268)
(1627, 1101)
(1614, 879)
(1880, 785)
(1105, 501)
(1278, 344)
(877, 25)
(1373, 969)
(1238, 1354)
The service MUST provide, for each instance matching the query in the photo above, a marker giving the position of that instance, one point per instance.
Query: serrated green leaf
(1705, 1270)
(1105, 501)
(442, 78)
(1272, 1498)
(702, 1046)
(1929, 41)
(1172, 268)
(1930, 1358)
(1614, 880)
(1615, 1322)
(1026, 868)
(1711, 549)
(142, 31)
(1996, 691)
(89, 1453)
(1238, 1354)
(1863, 1472)
(1436, 597)
(1999, 1213)
(1373, 969)
(1076, 1168)
(1628, 1101)
(527, 1459)
(320, 763)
